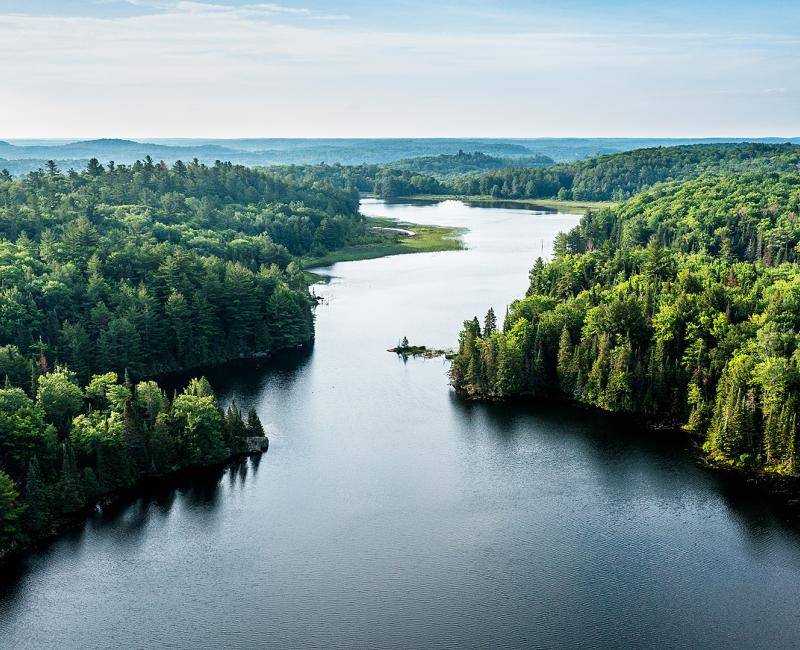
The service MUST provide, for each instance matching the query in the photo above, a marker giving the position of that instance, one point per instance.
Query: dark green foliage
(117, 435)
(410, 176)
(38, 512)
(254, 427)
(464, 163)
(391, 183)
(134, 436)
(69, 490)
(152, 268)
(683, 303)
(234, 427)
(620, 176)
(10, 513)
(14, 366)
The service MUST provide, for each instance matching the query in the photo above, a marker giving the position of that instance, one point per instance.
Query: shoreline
(784, 488)
(556, 205)
(425, 238)
(128, 495)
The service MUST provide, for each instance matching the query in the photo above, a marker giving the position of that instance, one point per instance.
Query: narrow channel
(389, 512)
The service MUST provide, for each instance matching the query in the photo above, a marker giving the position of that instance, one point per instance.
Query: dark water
(389, 513)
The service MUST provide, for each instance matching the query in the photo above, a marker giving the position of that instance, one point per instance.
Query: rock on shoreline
(256, 444)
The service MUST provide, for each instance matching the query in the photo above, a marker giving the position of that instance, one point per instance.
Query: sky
(405, 68)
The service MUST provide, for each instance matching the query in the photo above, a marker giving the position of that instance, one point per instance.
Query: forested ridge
(682, 304)
(620, 176)
(425, 174)
(465, 162)
(604, 178)
(117, 273)
(150, 269)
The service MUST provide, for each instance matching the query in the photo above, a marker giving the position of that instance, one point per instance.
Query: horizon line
(143, 139)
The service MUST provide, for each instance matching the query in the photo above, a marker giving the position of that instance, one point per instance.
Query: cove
(390, 513)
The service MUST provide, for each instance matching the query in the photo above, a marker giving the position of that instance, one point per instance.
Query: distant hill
(109, 148)
(377, 150)
(24, 156)
(463, 163)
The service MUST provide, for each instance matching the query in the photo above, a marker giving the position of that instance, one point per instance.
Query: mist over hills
(23, 156)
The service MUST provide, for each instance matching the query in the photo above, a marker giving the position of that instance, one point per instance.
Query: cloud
(278, 9)
(753, 91)
(257, 9)
(207, 68)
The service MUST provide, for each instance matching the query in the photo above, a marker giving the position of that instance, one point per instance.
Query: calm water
(389, 513)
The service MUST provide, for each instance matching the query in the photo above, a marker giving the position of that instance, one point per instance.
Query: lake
(390, 513)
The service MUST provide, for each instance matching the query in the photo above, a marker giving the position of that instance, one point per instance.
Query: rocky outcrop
(256, 444)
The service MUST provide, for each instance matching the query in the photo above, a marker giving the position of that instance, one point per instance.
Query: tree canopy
(682, 304)
(149, 268)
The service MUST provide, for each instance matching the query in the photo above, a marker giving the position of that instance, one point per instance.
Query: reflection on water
(510, 205)
(246, 378)
(388, 512)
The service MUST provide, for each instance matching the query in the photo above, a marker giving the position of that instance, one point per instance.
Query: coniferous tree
(565, 367)
(254, 426)
(135, 442)
(38, 514)
(70, 488)
(489, 323)
(10, 512)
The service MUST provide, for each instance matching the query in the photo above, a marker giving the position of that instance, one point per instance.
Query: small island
(405, 350)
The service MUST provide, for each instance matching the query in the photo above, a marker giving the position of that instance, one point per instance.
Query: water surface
(390, 513)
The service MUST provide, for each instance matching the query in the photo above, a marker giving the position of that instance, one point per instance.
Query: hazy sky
(232, 68)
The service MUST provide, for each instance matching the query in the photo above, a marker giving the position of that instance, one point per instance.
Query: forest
(681, 304)
(620, 176)
(464, 163)
(116, 274)
(65, 447)
(605, 178)
(150, 269)
(408, 176)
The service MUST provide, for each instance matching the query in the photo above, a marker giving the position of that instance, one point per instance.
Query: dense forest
(149, 268)
(620, 176)
(132, 271)
(605, 178)
(682, 304)
(423, 175)
(65, 447)
(465, 163)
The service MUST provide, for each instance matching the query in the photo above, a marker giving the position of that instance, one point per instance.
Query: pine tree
(113, 471)
(70, 495)
(733, 426)
(254, 426)
(135, 442)
(618, 393)
(489, 323)
(598, 375)
(38, 518)
(10, 513)
(564, 367)
(234, 428)
(90, 484)
(474, 375)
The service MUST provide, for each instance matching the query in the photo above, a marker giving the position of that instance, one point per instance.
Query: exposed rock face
(257, 444)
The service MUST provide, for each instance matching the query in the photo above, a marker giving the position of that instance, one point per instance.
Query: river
(390, 513)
